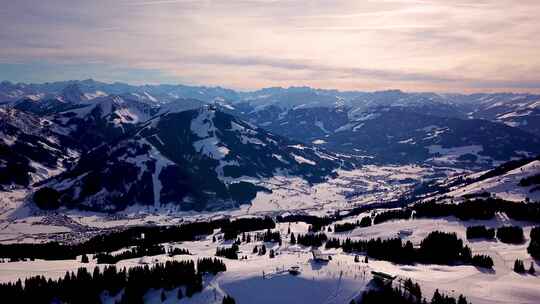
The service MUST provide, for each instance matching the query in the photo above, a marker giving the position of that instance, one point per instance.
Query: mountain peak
(72, 93)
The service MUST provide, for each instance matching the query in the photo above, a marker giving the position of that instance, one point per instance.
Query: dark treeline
(401, 214)
(437, 248)
(480, 232)
(313, 220)
(534, 246)
(232, 229)
(511, 234)
(482, 209)
(269, 236)
(228, 252)
(479, 209)
(133, 236)
(482, 260)
(383, 249)
(468, 210)
(333, 243)
(86, 287)
(47, 251)
(210, 265)
(311, 239)
(409, 293)
(136, 252)
(364, 222)
(507, 167)
(345, 227)
(178, 251)
(530, 181)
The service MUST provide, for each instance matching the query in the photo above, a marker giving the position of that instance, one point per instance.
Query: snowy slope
(30, 150)
(102, 120)
(339, 280)
(196, 159)
(506, 186)
(390, 135)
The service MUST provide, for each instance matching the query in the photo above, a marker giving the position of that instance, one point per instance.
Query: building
(383, 278)
(294, 270)
(318, 256)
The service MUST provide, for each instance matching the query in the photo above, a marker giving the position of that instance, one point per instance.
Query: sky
(413, 45)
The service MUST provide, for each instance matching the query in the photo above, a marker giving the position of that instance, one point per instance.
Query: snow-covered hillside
(353, 122)
(508, 185)
(30, 150)
(196, 159)
(261, 279)
(391, 135)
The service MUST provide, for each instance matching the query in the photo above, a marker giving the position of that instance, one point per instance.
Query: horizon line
(268, 87)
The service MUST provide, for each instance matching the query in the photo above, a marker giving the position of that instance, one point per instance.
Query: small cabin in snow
(294, 270)
(318, 256)
(383, 278)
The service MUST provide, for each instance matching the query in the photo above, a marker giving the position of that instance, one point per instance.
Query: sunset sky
(413, 45)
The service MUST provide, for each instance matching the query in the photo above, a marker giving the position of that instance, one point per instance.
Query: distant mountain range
(104, 147)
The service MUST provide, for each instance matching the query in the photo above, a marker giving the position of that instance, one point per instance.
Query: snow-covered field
(369, 184)
(259, 279)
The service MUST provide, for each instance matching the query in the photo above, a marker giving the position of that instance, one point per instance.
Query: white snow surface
(505, 186)
(302, 160)
(209, 144)
(449, 156)
(259, 279)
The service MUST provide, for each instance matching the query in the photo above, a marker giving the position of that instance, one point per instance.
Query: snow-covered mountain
(386, 127)
(102, 120)
(30, 150)
(197, 159)
(515, 110)
(399, 135)
(518, 110)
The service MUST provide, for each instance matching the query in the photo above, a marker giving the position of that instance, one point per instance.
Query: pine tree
(437, 298)
(366, 259)
(532, 271)
(228, 300)
(163, 296)
(179, 294)
(271, 254)
(519, 267)
(293, 239)
(255, 249)
(462, 300)
(84, 258)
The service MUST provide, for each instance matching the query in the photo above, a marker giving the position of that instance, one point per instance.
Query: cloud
(434, 45)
